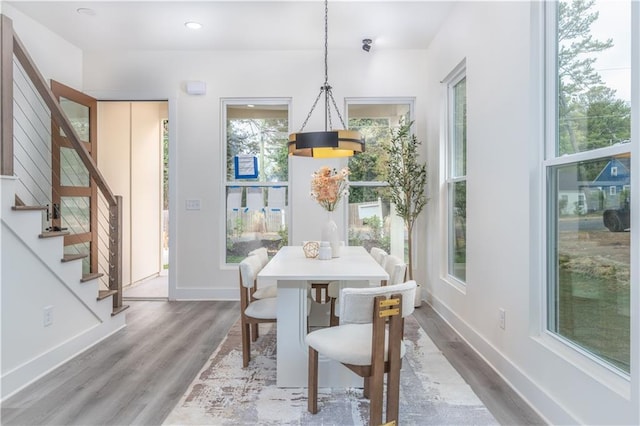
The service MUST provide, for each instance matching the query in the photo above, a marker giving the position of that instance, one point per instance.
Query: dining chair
(395, 268)
(378, 254)
(265, 291)
(321, 288)
(252, 312)
(369, 342)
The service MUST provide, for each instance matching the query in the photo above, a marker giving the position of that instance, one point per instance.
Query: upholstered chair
(369, 342)
(262, 292)
(378, 254)
(252, 312)
(268, 290)
(393, 265)
(396, 268)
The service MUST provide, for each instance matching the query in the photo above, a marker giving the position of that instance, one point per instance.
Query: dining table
(294, 272)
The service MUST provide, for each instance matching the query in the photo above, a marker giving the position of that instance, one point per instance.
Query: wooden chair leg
(393, 394)
(312, 397)
(333, 319)
(254, 332)
(367, 388)
(246, 345)
(376, 385)
(375, 397)
(396, 327)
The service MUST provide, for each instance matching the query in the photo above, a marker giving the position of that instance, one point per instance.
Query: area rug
(223, 393)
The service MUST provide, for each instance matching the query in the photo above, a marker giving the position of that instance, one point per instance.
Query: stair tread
(103, 294)
(116, 311)
(28, 208)
(89, 277)
(53, 234)
(70, 257)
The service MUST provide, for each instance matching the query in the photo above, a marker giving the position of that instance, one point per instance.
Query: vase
(330, 233)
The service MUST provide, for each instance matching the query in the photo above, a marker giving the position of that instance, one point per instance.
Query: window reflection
(592, 266)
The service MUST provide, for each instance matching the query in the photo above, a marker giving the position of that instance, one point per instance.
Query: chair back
(249, 268)
(396, 268)
(356, 304)
(378, 254)
(262, 254)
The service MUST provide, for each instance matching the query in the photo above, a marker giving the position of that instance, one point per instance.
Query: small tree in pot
(407, 179)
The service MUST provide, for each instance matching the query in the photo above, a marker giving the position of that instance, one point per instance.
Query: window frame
(401, 100)
(226, 183)
(551, 159)
(456, 75)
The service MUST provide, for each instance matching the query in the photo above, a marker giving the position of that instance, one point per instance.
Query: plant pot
(417, 302)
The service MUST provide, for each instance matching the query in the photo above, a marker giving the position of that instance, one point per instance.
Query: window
(457, 174)
(256, 176)
(371, 219)
(587, 149)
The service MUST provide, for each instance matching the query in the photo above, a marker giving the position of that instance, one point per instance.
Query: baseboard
(184, 294)
(541, 402)
(22, 376)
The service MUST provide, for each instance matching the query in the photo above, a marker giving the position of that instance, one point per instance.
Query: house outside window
(256, 176)
(456, 169)
(587, 148)
(371, 216)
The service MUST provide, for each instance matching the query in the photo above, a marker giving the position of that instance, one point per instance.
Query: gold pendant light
(328, 143)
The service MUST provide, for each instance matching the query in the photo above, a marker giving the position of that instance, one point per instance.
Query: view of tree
(367, 166)
(589, 114)
(265, 138)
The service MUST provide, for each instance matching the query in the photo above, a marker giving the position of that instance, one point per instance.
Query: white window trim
(456, 75)
(587, 362)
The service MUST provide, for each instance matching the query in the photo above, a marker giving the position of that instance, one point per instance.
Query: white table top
(354, 263)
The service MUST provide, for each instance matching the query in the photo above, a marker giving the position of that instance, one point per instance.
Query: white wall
(503, 216)
(198, 243)
(56, 58)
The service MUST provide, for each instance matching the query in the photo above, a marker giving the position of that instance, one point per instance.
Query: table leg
(292, 352)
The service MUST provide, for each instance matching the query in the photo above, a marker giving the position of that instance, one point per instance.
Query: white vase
(330, 233)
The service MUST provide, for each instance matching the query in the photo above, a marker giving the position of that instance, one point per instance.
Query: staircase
(50, 310)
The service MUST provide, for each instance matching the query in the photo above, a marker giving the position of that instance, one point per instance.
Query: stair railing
(13, 47)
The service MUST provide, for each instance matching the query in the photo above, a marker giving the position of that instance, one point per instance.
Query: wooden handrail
(6, 94)
(12, 46)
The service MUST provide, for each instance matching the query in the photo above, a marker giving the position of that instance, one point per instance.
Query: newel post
(6, 96)
(115, 251)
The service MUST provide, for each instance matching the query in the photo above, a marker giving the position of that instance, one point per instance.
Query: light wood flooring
(136, 376)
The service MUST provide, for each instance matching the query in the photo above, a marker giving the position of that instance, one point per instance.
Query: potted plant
(407, 178)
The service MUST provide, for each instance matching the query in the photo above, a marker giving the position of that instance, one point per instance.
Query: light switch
(193, 204)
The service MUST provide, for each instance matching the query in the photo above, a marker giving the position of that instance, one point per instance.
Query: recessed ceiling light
(193, 25)
(86, 11)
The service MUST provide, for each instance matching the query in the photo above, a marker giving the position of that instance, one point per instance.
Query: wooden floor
(137, 375)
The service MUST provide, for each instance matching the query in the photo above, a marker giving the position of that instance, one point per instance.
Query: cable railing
(28, 109)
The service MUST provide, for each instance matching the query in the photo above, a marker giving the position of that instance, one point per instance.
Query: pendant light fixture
(328, 143)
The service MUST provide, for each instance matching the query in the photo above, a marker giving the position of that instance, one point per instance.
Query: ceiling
(239, 24)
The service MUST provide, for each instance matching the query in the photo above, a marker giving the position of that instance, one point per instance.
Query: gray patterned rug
(432, 392)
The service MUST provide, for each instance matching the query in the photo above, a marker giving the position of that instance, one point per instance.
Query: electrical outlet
(503, 318)
(48, 316)
(192, 204)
